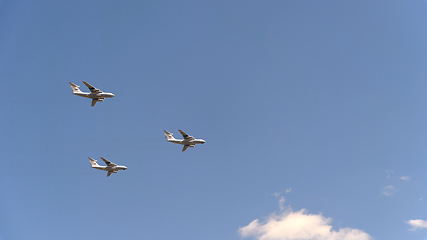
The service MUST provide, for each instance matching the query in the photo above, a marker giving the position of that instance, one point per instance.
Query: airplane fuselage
(187, 142)
(111, 169)
(95, 95)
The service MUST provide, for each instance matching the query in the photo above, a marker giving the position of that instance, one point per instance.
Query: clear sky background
(321, 103)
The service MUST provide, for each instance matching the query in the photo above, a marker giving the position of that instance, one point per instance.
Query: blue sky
(305, 104)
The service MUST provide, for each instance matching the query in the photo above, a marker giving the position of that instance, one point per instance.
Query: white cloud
(282, 203)
(405, 178)
(417, 224)
(299, 225)
(281, 199)
(281, 193)
(389, 190)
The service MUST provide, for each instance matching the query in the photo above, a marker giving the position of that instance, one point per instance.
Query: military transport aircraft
(110, 168)
(96, 94)
(188, 141)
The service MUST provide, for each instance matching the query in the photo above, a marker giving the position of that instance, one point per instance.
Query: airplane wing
(108, 162)
(185, 147)
(92, 88)
(186, 136)
(109, 173)
(94, 101)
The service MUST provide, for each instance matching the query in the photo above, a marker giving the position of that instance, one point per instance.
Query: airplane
(110, 168)
(97, 95)
(188, 141)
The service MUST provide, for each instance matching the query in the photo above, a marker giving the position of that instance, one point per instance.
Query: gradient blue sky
(326, 97)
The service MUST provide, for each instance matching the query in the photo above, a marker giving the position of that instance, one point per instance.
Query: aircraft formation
(97, 95)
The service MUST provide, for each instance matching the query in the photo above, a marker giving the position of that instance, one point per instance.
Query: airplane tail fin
(168, 135)
(93, 162)
(75, 88)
